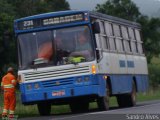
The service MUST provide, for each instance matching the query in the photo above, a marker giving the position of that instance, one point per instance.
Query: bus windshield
(55, 47)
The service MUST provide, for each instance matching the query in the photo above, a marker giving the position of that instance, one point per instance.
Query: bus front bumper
(62, 93)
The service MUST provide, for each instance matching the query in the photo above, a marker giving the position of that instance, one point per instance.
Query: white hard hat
(10, 69)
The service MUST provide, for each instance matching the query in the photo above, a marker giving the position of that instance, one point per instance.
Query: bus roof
(114, 19)
(72, 12)
(59, 13)
(93, 14)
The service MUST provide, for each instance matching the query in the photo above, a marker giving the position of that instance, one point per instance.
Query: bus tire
(132, 97)
(121, 99)
(127, 100)
(103, 103)
(44, 108)
(80, 106)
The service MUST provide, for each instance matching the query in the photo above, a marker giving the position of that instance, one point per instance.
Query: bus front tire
(80, 106)
(103, 103)
(44, 108)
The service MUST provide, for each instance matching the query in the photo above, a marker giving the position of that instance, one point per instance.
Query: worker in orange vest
(8, 85)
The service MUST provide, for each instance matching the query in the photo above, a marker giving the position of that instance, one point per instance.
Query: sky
(149, 8)
(84, 4)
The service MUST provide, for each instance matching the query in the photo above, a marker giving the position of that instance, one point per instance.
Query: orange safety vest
(8, 83)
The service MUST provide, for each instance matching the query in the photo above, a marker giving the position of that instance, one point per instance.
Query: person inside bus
(46, 51)
(83, 48)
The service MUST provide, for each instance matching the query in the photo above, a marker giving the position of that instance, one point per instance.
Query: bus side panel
(109, 64)
(141, 73)
(102, 83)
(105, 64)
(121, 84)
(122, 64)
(122, 70)
(22, 89)
(140, 65)
(142, 83)
(130, 69)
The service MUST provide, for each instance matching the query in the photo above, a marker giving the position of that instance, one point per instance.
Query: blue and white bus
(50, 72)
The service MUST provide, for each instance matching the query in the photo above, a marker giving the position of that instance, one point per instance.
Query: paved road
(145, 110)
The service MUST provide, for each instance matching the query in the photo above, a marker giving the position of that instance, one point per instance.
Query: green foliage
(6, 7)
(154, 75)
(7, 47)
(154, 69)
(57, 5)
(31, 7)
(151, 33)
(121, 8)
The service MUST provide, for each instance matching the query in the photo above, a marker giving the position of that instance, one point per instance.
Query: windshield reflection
(55, 47)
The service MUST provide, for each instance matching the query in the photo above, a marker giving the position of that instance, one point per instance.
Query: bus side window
(132, 39)
(98, 41)
(109, 33)
(102, 30)
(96, 27)
(103, 36)
(118, 38)
(139, 42)
(126, 40)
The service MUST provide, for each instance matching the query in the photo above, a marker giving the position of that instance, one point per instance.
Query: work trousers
(9, 103)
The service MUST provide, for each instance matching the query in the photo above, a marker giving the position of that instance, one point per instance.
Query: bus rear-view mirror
(96, 27)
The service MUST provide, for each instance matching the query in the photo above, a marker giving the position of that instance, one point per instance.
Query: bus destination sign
(35, 23)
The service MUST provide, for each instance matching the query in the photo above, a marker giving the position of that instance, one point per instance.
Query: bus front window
(73, 45)
(55, 47)
(33, 47)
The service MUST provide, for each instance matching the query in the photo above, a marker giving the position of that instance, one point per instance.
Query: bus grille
(56, 74)
(52, 83)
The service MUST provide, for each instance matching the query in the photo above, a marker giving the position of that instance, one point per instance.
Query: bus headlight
(36, 86)
(79, 80)
(86, 79)
(29, 87)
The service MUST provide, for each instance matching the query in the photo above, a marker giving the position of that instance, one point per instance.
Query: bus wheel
(103, 102)
(80, 106)
(132, 97)
(44, 108)
(127, 100)
(121, 99)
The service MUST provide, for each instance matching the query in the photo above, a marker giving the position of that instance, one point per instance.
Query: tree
(25, 8)
(151, 33)
(6, 36)
(57, 5)
(121, 8)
